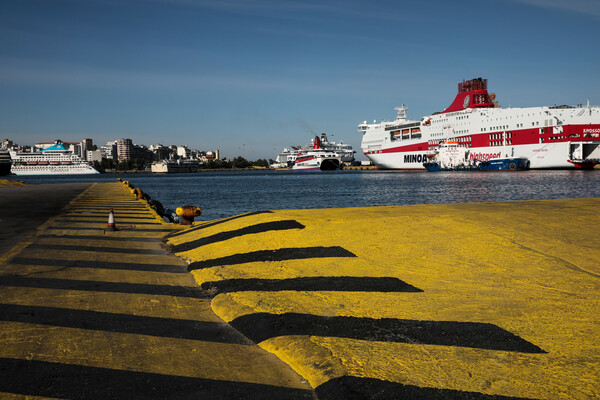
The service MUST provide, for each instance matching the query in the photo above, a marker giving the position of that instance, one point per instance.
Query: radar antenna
(401, 112)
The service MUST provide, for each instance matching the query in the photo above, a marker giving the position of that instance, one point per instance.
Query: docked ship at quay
(56, 159)
(343, 151)
(548, 137)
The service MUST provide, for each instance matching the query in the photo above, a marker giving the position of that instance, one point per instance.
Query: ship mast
(401, 113)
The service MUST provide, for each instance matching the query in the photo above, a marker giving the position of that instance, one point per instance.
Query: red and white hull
(549, 137)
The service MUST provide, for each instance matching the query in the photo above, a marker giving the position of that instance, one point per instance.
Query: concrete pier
(89, 313)
(475, 300)
(469, 301)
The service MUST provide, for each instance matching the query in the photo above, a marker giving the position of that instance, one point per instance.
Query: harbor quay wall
(471, 300)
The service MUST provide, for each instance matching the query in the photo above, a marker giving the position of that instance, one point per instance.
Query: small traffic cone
(111, 221)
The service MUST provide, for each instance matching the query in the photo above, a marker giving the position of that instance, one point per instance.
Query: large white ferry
(54, 160)
(287, 157)
(344, 150)
(317, 159)
(548, 137)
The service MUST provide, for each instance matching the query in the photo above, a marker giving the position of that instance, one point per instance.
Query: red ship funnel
(317, 143)
(471, 94)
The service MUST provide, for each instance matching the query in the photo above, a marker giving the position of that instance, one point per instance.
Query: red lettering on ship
(484, 156)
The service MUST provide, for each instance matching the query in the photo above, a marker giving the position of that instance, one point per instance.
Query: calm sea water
(225, 193)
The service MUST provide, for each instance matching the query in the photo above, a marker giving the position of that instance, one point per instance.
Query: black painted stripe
(103, 249)
(109, 205)
(355, 388)
(122, 323)
(100, 264)
(325, 283)
(294, 253)
(248, 230)
(76, 216)
(102, 237)
(100, 221)
(116, 209)
(130, 227)
(221, 221)
(101, 286)
(262, 326)
(69, 381)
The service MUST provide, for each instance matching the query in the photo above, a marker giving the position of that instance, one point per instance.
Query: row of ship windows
(495, 136)
(501, 143)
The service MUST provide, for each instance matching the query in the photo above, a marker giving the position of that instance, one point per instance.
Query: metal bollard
(187, 214)
(139, 194)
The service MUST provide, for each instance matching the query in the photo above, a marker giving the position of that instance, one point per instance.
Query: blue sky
(251, 77)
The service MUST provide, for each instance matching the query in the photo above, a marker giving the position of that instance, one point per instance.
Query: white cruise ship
(548, 137)
(54, 160)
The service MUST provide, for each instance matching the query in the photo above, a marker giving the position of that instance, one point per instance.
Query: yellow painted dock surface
(86, 313)
(461, 301)
(475, 300)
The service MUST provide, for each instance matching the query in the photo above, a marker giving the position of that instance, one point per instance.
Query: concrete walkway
(87, 313)
(24, 208)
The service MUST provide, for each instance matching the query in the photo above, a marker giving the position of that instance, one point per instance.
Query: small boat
(451, 156)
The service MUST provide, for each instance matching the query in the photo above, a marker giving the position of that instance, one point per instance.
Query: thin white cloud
(285, 9)
(16, 71)
(587, 7)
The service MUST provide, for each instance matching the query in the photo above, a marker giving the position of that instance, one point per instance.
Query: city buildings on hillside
(121, 150)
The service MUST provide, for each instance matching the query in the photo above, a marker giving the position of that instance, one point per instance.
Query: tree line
(140, 164)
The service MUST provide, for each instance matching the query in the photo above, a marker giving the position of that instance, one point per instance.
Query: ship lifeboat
(43, 163)
(31, 162)
(66, 162)
(54, 162)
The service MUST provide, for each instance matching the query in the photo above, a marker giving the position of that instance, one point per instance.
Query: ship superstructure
(344, 150)
(548, 137)
(56, 159)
